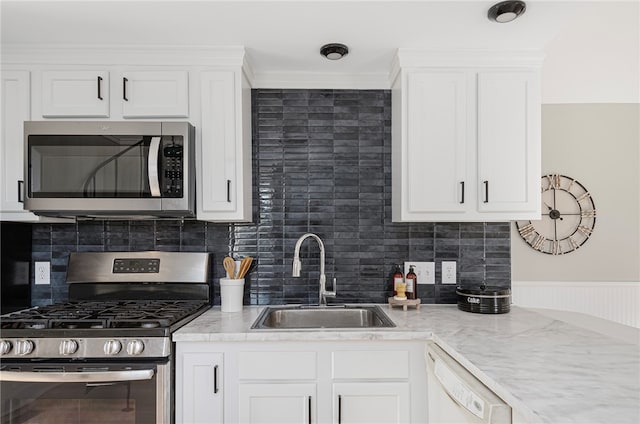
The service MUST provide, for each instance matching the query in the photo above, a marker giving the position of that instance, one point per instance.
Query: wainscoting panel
(617, 301)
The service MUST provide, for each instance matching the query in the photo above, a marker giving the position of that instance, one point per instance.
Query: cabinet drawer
(277, 365)
(382, 364)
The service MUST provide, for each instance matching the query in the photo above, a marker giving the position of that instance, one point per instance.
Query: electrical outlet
(448, 272)
(425, 271)
(43, 271)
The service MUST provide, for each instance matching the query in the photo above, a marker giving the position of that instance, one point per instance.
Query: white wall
(595, 58)
(591, 131)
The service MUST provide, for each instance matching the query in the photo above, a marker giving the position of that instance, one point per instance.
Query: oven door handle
(76, 377)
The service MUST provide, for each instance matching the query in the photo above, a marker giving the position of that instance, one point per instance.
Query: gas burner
(18, 323)
(75, 324)
(151, 324)
(35, 325)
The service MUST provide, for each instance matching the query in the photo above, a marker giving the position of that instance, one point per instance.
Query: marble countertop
(547, 369)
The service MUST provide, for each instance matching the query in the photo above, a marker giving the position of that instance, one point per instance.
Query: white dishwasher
(455, 396)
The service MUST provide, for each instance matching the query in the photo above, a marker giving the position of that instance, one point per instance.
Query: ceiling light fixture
(506, 11)
(334, 51)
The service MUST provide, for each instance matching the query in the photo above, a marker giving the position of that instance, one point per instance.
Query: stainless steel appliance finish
(109, 169)
(98, 267)
(109, 348)
(314, 317)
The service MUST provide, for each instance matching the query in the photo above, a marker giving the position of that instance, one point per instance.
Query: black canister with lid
(484, 299)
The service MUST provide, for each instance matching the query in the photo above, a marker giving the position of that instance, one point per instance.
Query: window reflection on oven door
(84, 394)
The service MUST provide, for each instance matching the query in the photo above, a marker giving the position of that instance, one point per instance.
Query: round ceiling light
(334, 51)
(506, 11)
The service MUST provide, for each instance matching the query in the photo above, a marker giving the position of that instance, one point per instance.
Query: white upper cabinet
(436, 148)
(75, 93)
(509, 141)
(224, 180)
(15, 110)
(70, 93)
(155, 94)
(466, 143)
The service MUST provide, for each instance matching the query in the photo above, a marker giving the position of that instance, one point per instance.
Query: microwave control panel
(172, 171)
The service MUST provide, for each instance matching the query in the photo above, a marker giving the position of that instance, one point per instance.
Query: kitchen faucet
(297, 267)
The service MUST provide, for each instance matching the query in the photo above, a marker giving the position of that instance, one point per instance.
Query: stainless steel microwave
(105, 169)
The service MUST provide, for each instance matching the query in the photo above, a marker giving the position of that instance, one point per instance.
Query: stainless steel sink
(311, 317)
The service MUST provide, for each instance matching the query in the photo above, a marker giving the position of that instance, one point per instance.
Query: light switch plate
(425, 271)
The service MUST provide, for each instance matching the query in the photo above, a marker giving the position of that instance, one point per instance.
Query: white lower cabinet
(277, 403)
(304, 382)
(199, 387)
(372, 402)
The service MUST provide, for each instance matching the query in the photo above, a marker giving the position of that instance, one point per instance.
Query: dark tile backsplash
(322, 164)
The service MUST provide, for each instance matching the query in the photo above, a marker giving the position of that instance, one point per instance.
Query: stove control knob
(112, 347)
(24, 347)
(5, 347)
(135, 347)
(68, 347)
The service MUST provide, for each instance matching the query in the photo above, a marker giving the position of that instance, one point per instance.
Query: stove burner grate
(110, 314)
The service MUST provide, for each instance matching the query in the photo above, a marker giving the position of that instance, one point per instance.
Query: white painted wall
(595, 58)
(591, 131)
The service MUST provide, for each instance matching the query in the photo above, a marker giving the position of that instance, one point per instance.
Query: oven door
(85, 393)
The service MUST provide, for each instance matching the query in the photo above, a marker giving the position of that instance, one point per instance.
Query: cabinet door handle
(486, 191)
(215, 379)
(124, 89)
(462, 191)
(339, 409)
(229, 191)
(100, 88)
(20, 191)
(309, 414)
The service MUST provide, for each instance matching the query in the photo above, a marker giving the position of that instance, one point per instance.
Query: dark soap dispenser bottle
(412, 284)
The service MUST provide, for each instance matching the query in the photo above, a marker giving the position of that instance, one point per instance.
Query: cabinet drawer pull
(215, 379)
(462, 192)
(229, 191)
(99, 88)
(339, 409)
(486, 191)
(309, 414)
(20, 191)
(124, 89)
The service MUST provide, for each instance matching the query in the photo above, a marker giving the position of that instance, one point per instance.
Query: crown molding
(317, 80)
(409, 58)
(130, 55)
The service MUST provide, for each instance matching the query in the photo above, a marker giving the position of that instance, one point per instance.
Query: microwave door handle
(76, 377)
(152, 165)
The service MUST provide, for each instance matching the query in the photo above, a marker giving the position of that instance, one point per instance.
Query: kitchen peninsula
(547, 370)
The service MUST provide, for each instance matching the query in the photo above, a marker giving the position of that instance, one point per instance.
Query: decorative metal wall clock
(568, 217)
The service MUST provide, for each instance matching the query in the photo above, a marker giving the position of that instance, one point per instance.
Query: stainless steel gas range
(106, 355)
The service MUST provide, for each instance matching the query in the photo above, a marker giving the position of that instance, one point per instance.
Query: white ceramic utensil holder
(231, 294)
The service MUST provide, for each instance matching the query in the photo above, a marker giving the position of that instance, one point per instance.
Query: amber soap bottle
(397, 278)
